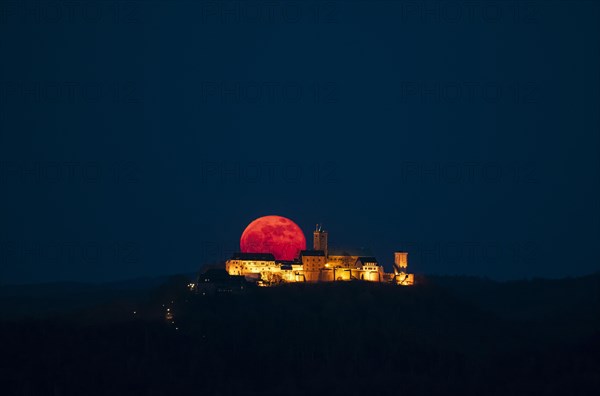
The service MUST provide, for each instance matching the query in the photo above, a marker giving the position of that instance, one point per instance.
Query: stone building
(319, 264)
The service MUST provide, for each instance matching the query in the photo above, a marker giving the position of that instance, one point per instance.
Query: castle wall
(322, 269)
(371, 276)
(405, 279)
(343, 274)
(312, 276)
(313, 263)
(326, 275)
(293, 276)
(242, 267)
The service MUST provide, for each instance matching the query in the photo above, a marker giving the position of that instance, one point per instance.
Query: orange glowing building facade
(318, 265)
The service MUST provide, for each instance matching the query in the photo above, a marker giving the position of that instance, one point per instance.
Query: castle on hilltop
(318, 265)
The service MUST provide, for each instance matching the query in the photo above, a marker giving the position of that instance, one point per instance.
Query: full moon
(273, 234)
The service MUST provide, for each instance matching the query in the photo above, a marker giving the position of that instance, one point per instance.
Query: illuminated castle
(318, 265)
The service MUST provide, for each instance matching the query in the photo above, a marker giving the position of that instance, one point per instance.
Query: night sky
(139, 138)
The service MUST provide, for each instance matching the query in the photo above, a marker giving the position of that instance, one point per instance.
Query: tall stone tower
(400, 262)
(320, 239)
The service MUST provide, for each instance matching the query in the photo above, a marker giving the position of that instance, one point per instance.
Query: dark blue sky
(140, 137)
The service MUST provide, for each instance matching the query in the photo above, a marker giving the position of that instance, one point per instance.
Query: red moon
(273, 234)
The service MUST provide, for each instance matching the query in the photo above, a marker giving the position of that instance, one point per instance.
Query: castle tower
(400, 262)
(320, 239)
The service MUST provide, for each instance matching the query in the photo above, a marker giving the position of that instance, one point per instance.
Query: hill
(448, 335)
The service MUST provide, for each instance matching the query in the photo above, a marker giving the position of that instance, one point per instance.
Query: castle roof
(367, 259)
(288, 262)
(253, 256)
(312, 253)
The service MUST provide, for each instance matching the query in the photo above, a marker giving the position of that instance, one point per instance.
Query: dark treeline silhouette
(448, 335)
